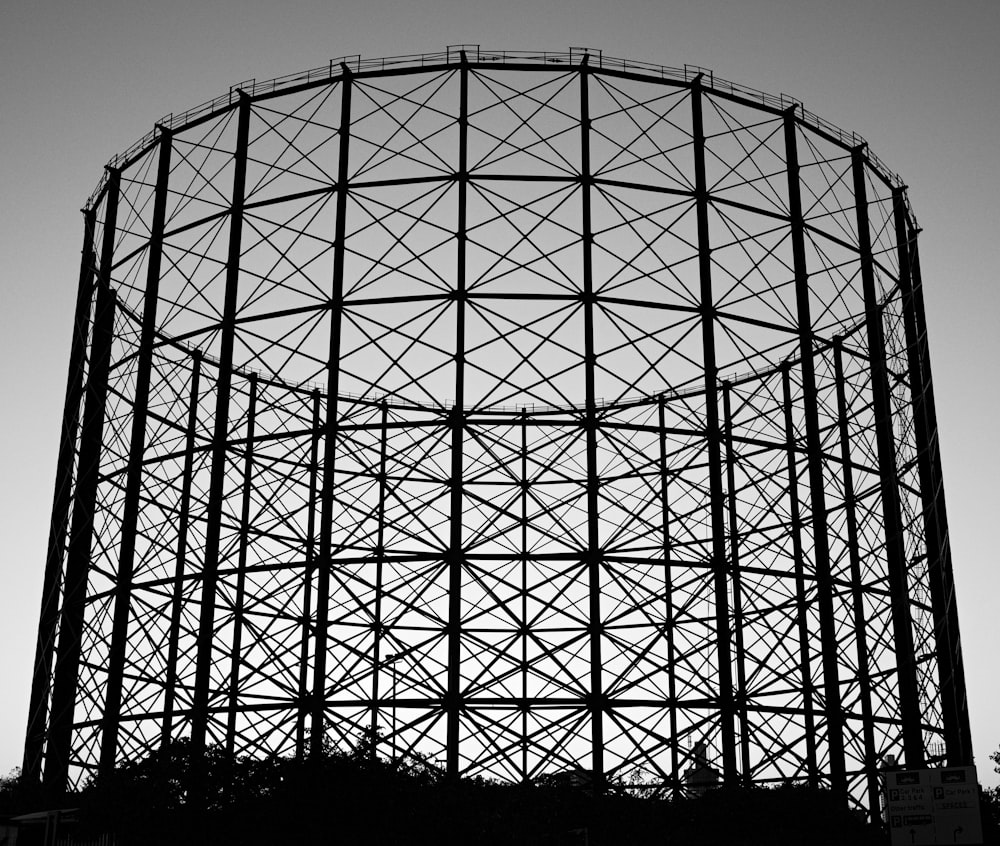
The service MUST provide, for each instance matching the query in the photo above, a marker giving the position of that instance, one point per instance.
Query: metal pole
(857, 587)
(456, 421)
(310, 573)
(909, 704)
(133, 482)
(668, 601)
(734, 553)
(525, 485)
(597, 701)
(205, 661)
(183, 526)
(801, 602)
(52, 579)
(932, 531)
(962, 753)
(378, 628)
(817, 485)
(81, 538)
(241, 571)
(394, 674)
(713, 439)
(330, 430)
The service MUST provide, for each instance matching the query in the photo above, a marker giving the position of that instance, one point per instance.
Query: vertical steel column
(220, 439)
(180, 564)
(133, 481)
(801, 604)
(734, 556)
(962, 754)
(713, 439)
(52, 579)
(932, 531)
(455, 556)
(668, 600)
(525, 486)
(817, 485)
(378, 628)
(909, 704)
(597, 701)
(331, 429)
(310, 573)
(81, 535)
(236, 652)
(857, 587)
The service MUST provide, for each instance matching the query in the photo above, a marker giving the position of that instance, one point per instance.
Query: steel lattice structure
(526, 412)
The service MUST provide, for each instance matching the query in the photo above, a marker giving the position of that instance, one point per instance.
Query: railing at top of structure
(334, 68)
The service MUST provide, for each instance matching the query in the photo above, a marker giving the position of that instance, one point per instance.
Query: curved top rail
(474, 54)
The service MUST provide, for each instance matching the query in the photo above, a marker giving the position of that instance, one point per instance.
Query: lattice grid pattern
(526, 416)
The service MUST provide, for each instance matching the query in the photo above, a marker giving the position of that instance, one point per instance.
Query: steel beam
(909, 703)
(593, 556)
(932, 535)
(713, 443)
(453, 705)
(180, 561)
(801, 597)
(220, 440)
(236, 652)
(309, 572)
(676, 785)
(833, 710)
(523, 609)
(958, 737)
(52, 579)
(133, 482)
(330, 429)
(872, 777)
(78, 556)
(378, 627)
(737, 597)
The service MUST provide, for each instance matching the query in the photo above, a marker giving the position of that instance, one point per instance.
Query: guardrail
(452, 55)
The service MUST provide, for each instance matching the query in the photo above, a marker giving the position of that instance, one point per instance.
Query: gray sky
(82, 81)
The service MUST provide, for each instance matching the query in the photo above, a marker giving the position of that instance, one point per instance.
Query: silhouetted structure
(532, 413)
(701, 775)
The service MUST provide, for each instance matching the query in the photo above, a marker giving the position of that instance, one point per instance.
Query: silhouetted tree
(358, 796)
(990, 805)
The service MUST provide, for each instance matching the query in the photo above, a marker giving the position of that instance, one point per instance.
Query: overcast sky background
(80, 81)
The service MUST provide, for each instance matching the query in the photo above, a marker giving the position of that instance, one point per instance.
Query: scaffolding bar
(52, 580)
(85, 503)
(909, 704)
(206, 659)
(713, 443)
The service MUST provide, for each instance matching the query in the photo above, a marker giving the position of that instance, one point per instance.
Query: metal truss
(526, 413)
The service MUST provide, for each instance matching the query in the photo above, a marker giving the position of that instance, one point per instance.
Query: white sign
(938, 806)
